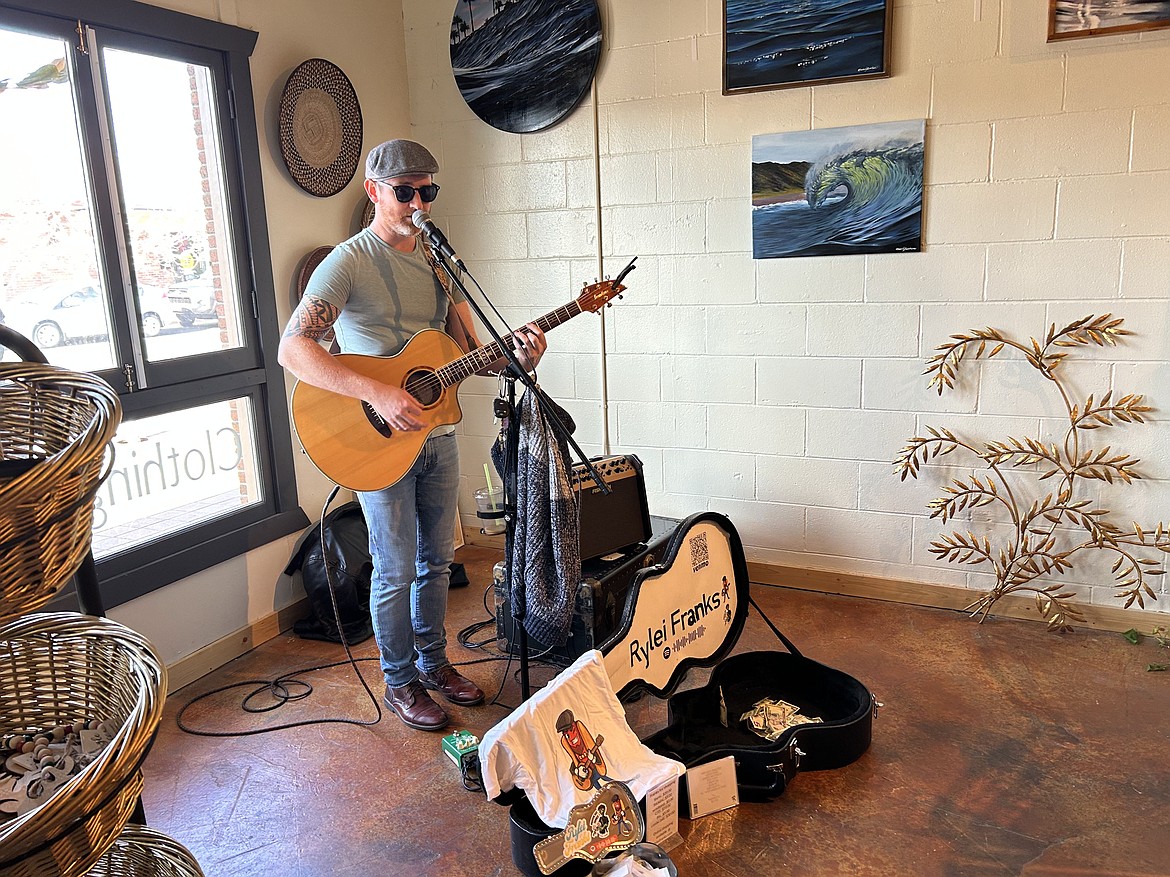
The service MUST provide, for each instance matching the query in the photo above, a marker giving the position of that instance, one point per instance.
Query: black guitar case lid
(689, 610)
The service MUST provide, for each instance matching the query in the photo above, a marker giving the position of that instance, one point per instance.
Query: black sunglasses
(404, 193)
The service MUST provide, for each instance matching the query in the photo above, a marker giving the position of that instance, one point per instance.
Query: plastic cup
(489, 507)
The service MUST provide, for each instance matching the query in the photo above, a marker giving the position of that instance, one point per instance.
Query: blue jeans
(412, 543)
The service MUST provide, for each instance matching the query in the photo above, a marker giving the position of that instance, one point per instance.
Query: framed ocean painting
(781, 44)
(1068, 19)
(838, 191)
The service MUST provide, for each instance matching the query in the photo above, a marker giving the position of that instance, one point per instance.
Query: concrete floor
(1000, 749)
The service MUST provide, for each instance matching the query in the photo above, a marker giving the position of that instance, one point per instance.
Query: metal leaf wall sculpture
(1048, 533)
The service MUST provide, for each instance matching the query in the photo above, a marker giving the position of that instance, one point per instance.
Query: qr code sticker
(700, 556)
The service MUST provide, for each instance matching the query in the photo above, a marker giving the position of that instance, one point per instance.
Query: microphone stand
(515, 372)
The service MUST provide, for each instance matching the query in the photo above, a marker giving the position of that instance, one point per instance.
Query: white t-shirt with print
(559, 769)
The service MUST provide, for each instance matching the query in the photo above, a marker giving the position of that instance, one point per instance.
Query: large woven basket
(55, 426)
(61, 668)
(143, 852)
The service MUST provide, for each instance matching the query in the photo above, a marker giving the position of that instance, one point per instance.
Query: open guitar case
(704, 556)
(705, 723)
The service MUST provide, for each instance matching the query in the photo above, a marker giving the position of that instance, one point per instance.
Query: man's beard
(402, 226)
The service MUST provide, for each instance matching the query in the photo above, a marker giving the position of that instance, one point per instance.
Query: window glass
(131, 219)
(50, 287)
(171, 173)
(175, 470)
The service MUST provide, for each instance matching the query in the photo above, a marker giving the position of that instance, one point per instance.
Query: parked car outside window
(75, 310)
(193, 301)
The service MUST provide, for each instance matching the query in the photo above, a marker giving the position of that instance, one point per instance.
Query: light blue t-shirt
(385, 295)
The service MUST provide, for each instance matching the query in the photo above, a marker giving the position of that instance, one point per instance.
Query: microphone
(422, 221)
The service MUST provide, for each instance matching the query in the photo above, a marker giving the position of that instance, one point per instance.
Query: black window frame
(163, 386)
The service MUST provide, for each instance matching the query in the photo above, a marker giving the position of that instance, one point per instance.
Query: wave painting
(771, 43)
(838, 191)
(523, 65)
(1078, 18)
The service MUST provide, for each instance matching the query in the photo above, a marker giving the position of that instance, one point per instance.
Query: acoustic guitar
(353, 446)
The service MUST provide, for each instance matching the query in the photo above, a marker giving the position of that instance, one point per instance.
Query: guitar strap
(469, 343)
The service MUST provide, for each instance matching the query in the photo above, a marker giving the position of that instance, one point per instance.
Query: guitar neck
(454, 372)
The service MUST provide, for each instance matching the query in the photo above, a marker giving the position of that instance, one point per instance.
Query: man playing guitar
(377, 290)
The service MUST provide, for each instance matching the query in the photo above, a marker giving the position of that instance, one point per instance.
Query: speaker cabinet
(616, 521)
(600, 602)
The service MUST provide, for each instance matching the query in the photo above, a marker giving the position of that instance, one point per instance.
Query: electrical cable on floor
(289, 689)
(470, 773)
(279, 688)
(464, 638)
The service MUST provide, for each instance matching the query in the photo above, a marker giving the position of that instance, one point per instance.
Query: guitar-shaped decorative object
(608, 822)
(352, 445)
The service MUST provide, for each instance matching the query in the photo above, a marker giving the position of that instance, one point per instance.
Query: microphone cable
(289, 688)
(464, 637)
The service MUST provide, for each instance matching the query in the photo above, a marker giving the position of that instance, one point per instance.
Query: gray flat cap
(399, 158)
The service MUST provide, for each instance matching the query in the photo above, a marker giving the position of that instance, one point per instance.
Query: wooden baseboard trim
(472, 536)
(941, 597)
(211, 657)
(1111, 618)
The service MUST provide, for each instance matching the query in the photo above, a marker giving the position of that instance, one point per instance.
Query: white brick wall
(1072, 144)
(1018, 210)
(809, 381)
(1145, 270)
(1065, 269)
(1116, 205)
(952, 273)
(1150, 150)
(778, 391)
(825, 279)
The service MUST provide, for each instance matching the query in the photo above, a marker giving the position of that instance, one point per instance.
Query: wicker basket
(142, 852)
(55, 426)
(60, 668)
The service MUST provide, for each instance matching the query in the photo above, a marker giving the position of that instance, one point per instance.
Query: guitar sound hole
(425, 386)
(376, 420)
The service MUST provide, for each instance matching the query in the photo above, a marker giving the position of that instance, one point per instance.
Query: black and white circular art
(523, 65)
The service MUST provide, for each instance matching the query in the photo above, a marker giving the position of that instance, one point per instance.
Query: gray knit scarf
(547, 545)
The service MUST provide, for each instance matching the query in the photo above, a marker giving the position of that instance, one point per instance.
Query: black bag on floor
(347, 544)
(347, 553)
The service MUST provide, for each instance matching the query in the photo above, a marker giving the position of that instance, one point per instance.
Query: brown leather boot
(449, 683)
(414, 706)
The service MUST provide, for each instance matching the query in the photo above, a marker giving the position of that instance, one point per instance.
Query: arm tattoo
(312, 319)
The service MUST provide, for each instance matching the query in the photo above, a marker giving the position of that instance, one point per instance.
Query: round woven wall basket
(143, 852)
(55, 426)
(320, 128)
(308, 266)
(62, 668)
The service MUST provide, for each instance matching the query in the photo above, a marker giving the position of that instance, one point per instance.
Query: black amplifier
(601, 599)
(616, 521)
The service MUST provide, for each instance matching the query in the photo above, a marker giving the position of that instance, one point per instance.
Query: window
(133, 245)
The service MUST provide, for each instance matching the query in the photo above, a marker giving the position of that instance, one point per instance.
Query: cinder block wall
(778, 391)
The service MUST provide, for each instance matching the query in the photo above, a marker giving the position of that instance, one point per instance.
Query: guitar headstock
(598, 295)
(595, 296)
